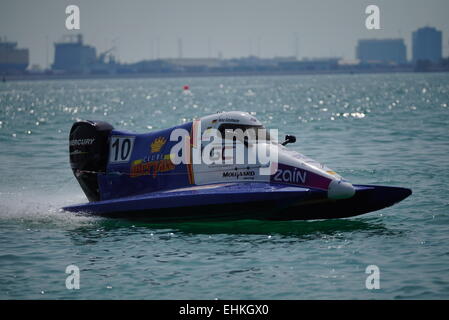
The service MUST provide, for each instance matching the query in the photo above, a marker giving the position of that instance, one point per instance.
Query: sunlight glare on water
(375, 129)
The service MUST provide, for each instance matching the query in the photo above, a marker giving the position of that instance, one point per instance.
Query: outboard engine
(89, 150)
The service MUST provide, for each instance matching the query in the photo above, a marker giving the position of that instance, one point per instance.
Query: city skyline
(145, 30)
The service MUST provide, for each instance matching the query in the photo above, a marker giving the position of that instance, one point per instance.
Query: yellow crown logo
(157, 144)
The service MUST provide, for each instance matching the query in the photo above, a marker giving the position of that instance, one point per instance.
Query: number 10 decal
(120, 149)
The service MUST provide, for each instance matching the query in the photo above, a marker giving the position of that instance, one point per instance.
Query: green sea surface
(386, 129)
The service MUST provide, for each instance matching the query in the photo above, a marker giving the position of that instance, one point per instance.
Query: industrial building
(381, 51)
(12, 59)
(73, 56)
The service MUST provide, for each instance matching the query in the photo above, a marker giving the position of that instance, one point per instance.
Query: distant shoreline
(33, 77)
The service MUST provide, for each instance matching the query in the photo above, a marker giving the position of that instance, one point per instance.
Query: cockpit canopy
(244, 132)
(237, 125)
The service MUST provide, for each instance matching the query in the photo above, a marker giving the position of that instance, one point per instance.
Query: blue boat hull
(236, 201)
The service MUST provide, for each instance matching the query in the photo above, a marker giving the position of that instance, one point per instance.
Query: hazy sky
(233, 27)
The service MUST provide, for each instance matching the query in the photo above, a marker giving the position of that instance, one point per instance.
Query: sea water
(386, 129)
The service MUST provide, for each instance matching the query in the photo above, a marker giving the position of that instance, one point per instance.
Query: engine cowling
(89, 153)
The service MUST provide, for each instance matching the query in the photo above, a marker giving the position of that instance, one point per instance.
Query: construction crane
(102, 56)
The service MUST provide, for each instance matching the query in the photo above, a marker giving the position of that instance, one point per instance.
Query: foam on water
(42, 210)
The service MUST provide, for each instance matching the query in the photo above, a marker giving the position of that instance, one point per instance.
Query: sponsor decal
(81, 142)
(154, 157)
(220, 166)
(157, 144)
(294, 176)
(228, 120)
(152, 168)
(237, 174)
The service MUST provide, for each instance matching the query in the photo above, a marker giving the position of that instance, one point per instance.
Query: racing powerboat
(190, 172)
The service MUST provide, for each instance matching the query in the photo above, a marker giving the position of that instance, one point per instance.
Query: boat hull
(244, 201)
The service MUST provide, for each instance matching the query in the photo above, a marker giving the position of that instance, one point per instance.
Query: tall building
(12, 59)
(381, 50)
(427, 44)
